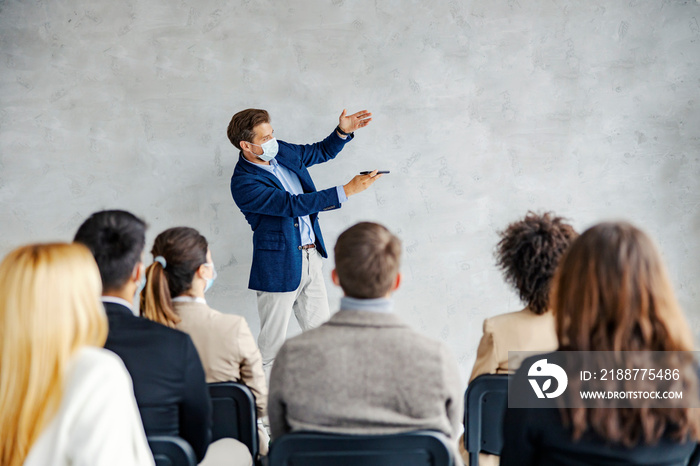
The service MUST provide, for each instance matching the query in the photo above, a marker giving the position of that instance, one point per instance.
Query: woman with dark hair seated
(182, 271)
(528, 254)
(611, 294)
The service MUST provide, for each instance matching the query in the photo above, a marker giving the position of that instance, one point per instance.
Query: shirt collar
(382, 305)
(123, 302)
(189, 299)
(269, 168)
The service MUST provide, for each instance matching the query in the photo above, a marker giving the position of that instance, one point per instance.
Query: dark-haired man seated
(168, 377)
(365, 371)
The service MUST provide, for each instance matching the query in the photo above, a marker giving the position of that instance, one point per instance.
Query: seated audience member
(611, 293)
(528, 254)
(168, 377)
(365, 371)
(182, 272)
(63, 399)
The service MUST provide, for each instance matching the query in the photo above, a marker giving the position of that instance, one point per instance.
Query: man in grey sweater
(365, 371)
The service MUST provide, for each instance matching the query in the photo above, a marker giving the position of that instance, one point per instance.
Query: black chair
(420, 448)
(485, 403)
(171, 451)
(234, 416)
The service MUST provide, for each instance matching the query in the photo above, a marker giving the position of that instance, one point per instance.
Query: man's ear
(334, 277)
(138, 272)
(397, 282)
(245, 145)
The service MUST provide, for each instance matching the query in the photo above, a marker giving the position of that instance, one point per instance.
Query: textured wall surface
(483, 109)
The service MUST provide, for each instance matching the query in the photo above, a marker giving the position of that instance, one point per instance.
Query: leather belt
(307, 246)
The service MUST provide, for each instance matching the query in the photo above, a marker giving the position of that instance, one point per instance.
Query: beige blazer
(515, 331)
(227, 350)
(365, 373)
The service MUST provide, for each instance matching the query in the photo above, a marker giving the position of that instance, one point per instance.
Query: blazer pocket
(271, 242)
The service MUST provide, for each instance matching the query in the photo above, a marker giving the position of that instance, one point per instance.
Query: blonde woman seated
(177, 280)
(64, 400)
(612, 294)
(528, 254)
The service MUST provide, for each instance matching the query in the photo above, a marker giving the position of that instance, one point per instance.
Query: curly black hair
(528, 254)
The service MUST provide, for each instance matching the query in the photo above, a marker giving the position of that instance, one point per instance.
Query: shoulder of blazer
(157, 331)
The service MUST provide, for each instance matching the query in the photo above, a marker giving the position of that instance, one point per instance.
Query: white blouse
(98, 422)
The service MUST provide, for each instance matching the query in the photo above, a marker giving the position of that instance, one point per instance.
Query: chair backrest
(171, 451)
(420, 448)
(485, 403)
(234, 415)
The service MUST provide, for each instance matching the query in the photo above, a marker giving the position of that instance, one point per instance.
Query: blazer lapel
(250, 169)
(306, 183)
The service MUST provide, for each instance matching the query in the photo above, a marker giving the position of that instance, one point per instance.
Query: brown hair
(612, 293)
(184, 250)
(528, 254)
(367, 258)
(241, 126)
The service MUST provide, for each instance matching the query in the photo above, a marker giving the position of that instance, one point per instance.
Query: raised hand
(350, 123)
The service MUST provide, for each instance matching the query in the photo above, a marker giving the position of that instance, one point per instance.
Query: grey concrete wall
(483, 109)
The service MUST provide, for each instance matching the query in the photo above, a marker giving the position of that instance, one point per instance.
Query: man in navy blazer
(271, 185)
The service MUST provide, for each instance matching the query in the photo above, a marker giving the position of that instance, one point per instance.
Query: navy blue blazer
(273, 213)
(168, 377)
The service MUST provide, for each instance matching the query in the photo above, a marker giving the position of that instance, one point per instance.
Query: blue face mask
(269, 148)
(142, 283)
(210, 281)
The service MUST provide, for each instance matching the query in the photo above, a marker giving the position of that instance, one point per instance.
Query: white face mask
(269, 148)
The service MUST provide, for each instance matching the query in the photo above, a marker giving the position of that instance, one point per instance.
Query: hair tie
(161, 260)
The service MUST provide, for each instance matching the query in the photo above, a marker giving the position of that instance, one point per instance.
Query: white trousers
(309, 302)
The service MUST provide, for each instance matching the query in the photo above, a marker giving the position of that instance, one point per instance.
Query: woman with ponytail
(181, 273)
(64, 400)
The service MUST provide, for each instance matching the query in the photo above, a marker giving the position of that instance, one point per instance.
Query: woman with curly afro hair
(528, 254)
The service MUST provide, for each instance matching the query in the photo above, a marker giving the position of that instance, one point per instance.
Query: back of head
(367, 259)
(183, 250)
(49, 308)
(241, 126)
(612, 293)
(116, 239)
(528, 254)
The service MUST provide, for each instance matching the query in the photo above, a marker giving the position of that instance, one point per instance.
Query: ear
(397, 282)
(334, 277)
(138, 272)
(245, 145)
(200, 271)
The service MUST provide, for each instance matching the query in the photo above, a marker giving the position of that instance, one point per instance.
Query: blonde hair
(49, 308)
